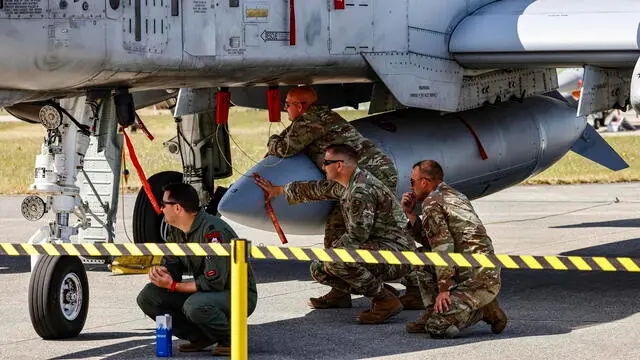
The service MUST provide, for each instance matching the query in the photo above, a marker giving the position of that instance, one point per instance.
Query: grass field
(20, 142)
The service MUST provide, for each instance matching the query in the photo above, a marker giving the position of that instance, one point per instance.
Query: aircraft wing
(603, 36)
(519, 33)
(523, 41)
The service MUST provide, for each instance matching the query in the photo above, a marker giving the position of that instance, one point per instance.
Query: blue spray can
(164, 333)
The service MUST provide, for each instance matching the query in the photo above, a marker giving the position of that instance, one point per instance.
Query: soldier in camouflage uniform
(374, 220)
(313, 128)
(200, 307)
(454, 298)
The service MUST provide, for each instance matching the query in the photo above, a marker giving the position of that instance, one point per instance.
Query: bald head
(303, 94)
(430, 169)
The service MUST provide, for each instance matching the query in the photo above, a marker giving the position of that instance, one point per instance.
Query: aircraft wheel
(149, 227)
(58, 297)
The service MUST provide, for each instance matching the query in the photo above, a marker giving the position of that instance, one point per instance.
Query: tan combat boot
(418, 326)
(412, 300)
(493, 315)
(383, 306)
(333, 299)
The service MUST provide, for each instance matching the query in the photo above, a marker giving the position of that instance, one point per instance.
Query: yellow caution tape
(553, 262)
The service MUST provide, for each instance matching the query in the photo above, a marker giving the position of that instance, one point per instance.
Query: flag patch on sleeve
(214, 237)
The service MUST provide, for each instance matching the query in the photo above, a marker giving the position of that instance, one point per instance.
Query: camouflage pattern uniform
(450, 224)
(373, 218)
(204, 314)
(318, 128)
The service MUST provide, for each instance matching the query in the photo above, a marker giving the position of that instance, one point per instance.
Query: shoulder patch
(357, 207)
(211, 273)
(214, 237)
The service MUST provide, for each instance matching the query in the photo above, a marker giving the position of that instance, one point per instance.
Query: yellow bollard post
(239, 306)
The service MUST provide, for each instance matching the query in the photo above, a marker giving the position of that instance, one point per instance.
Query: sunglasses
(288, 104)
(165, 203)
(329, 162)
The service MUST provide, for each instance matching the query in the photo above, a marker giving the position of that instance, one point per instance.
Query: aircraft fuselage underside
(419, 49)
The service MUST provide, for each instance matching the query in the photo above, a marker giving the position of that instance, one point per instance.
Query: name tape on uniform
(553, 262)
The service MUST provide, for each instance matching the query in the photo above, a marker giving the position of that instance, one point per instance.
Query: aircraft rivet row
(553, 262)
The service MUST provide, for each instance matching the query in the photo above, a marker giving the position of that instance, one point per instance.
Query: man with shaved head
(313, 128)
(454, 298)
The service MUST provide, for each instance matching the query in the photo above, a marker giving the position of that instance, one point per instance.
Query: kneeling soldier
(454, 298)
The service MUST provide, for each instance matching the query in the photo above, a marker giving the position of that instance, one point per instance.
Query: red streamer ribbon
(143, 178)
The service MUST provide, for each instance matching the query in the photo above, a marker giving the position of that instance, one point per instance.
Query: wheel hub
(33, 208)
(71, 296)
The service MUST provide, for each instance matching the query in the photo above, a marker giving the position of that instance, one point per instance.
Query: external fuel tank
(519, 139)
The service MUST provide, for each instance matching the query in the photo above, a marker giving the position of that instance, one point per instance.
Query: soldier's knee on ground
(440, 326)
(460, 316)
(451, 332)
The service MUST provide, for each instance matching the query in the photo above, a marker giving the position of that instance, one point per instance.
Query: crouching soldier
(200, 307)
(313, 128)
(374, 221)
(454, 298)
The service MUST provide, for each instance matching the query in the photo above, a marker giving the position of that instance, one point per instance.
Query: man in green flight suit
(200, 307)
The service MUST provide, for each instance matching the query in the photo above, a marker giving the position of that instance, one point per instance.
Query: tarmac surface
(552, 314)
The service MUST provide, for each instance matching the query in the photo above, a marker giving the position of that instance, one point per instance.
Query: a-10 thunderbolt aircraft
(469, 83)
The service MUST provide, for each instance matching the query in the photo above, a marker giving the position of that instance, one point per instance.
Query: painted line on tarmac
(552, 262)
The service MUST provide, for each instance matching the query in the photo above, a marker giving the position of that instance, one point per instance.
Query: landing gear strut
(58, 289)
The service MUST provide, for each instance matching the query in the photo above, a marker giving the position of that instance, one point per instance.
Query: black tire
(212, 207)
(146, 223)
(58, 297)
